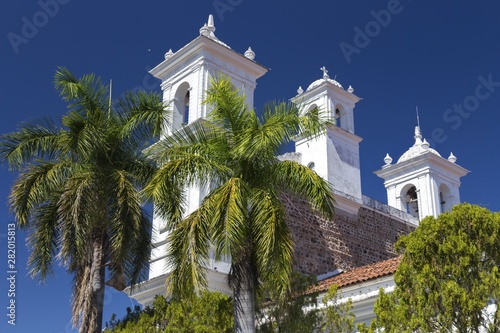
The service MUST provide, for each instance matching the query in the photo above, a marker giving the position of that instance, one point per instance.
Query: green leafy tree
(211, 312)
(294, 312)
(448, 277)
(243, 217)
(78, 189)
(336, 313)
(131, 316)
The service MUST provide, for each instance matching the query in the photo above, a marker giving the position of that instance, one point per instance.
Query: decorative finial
(387, 160)
(418, 135)
(325, 72)
(249, 54)
(210, 23)
(169, 54)
(208, 28)
(418, 120)
(452, 158)
(204, 31)
(350, 89)
(425, 145)
(300, 90)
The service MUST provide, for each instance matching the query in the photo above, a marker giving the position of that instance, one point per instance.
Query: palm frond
(188, 169)
(137, 165)
(85, 95)
(313, 122)
(169, 197)
(263, 139)
(129, 229)
(139, 251)
(89, 140)
(145, 113)
(200, 137)
(300, 180)
(229, 108)
(226, 211)
(43, 241)
(80, 209)
(188, 255)
(273, 245)
(38, 139)
(34, 187)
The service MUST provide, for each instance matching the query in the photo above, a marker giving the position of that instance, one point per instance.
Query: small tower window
(445, 198)
(411, 199)
(185, 118)
(181, 107)
(337, 117)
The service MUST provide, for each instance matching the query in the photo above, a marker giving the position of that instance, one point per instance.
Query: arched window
(311, 165)
(445, 198)
(410, 200)
(338, 117)
(181, 106)
(312, 107)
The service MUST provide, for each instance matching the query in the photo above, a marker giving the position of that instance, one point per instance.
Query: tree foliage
(294, 312)
(78, 189)
(448, 279)
(209, 313)
(233, 153)
(336, 315)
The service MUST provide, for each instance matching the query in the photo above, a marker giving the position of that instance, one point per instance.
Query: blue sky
(440, 56)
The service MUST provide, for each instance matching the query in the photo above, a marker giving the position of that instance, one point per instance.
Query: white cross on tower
(325, 72)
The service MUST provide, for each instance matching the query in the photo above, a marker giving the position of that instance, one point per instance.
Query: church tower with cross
(334, 155)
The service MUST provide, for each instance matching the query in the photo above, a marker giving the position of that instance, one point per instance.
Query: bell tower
(421, 182)
(334, 155)
(185, 77)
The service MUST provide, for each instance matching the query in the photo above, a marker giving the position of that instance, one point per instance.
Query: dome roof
(321, 81)
(419, 148)
(324, 79)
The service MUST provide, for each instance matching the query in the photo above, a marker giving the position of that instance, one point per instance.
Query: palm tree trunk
(98, 281)
(244, 309)
(97, 277)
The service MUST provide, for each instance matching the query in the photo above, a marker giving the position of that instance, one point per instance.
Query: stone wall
(347, 242)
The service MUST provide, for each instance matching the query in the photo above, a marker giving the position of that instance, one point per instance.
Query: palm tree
(78, 189)
(243, 217)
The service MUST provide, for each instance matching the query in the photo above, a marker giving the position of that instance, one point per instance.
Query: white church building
(357, 245)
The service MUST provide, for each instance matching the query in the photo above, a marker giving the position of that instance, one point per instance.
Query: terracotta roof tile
(360, 274)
